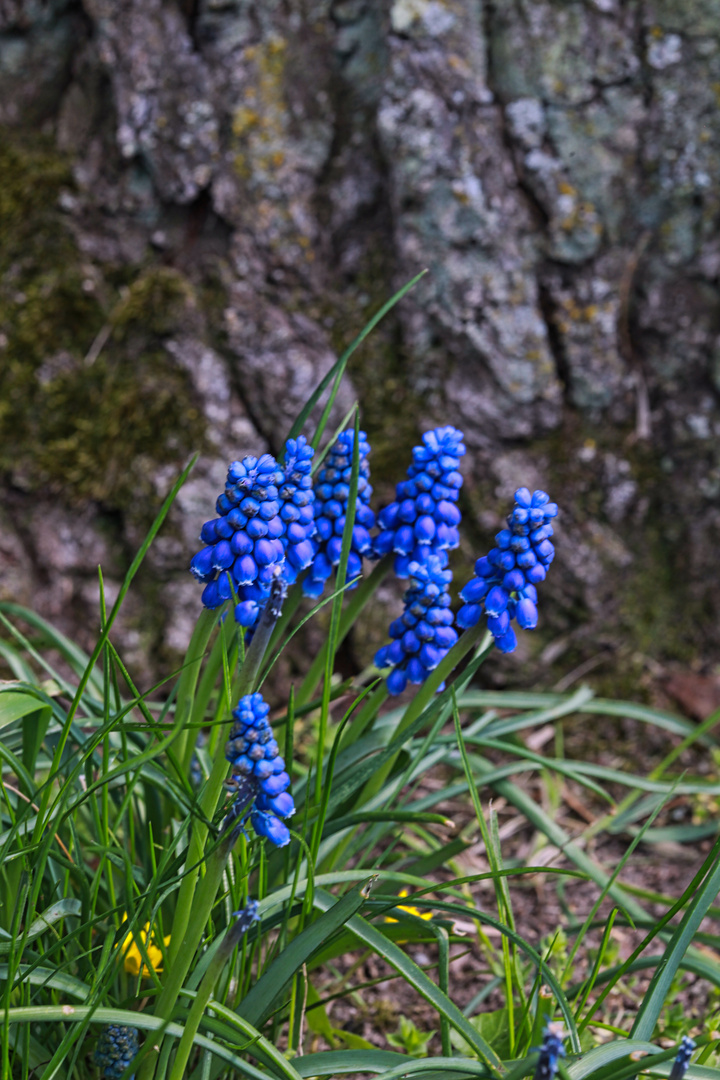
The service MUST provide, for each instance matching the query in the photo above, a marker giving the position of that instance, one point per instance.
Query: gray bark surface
(205, 199)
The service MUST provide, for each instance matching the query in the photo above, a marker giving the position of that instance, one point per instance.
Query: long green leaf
(370, 935)
(336, 371)
(653, 1001)
(15, 704)
(270, 987)
(337, 1062)
(43, 976)
(78, 1014)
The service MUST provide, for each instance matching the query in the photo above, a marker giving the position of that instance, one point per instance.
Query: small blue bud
(526, 614)
(201, 564)
(396, 681)
(269, 826)
(468, 616)
(551, 1051)
(682, 1060)
(496, 600)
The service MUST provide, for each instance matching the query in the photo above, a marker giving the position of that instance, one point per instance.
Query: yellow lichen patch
(566, 189)
(244, 119)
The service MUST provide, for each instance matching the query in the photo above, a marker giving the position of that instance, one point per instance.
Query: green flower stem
(426, 693)
(202, 904)
(209, 980)
(195, 902)
(187, 683)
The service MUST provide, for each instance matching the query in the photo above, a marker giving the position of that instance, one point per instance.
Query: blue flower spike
(116, 1048)
(423, 519)
(297, 511)
(259, 780)
(551, 1051)
(424, 632)
(504, 586)
(681, 1062)
(265, 522)
(332, 492)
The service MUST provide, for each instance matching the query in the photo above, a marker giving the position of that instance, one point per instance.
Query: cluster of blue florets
(423, 520)
(682, 1060)
(298, 512)
(332, 491)
(266, 519)
(258, 772)
(116, 1048)
(551, 1051)
(504, 586)
(424, 632)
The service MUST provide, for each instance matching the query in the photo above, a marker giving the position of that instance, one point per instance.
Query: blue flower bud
(245, 570)
(396, 681)
(468, 616)
(682, 1060)
(241, 544)
(282, 805)
(208, 535)
(275, 784)
(552, 1049)
(201, 565)
(496, 600)
(498, 624)
(526, 614)
(269, 826)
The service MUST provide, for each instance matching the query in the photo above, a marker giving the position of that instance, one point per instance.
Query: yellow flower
(134, 962)
(409, 908)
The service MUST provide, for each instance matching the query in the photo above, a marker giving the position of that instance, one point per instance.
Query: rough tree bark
(202, 199)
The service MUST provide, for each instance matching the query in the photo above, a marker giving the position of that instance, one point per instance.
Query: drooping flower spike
(332, 492)
(682, 1060)
(259, 781)
(266, 519)
(551, 1051)
(116, 1048)
(424, 632)
(423, 519)
(504, 586)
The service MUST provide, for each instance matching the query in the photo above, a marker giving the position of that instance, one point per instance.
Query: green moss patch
(76, 418)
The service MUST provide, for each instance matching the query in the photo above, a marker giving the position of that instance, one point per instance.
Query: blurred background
(203, 201)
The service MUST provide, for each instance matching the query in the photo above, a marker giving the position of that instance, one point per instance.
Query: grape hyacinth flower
(332, 491)
(504, 586)
(265, 521)
(116, 1049)
(424, 632)
(551, 1051)
(258, 773)
(298, 511)
(681, 1062)
(423, 520)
